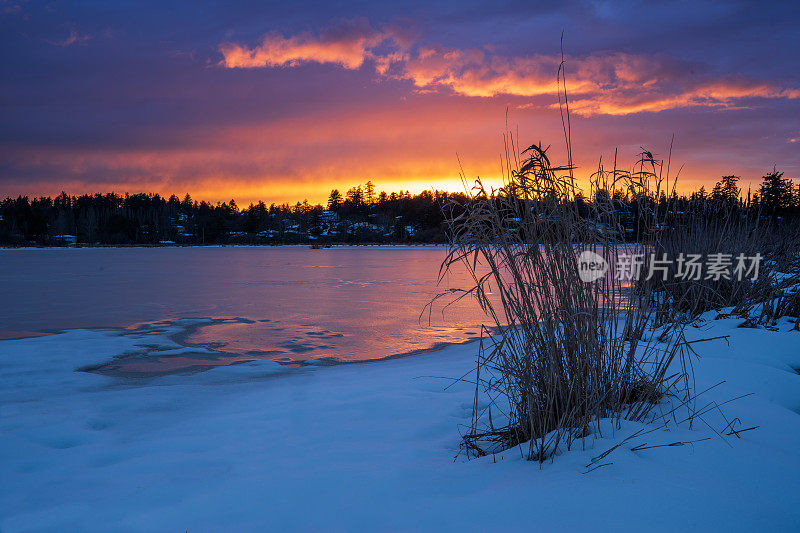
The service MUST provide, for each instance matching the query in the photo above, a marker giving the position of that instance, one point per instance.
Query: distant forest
(358, 216)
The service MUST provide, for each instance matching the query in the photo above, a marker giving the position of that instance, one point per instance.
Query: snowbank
(371, 446)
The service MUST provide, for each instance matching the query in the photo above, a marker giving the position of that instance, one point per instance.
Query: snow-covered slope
(371, 447)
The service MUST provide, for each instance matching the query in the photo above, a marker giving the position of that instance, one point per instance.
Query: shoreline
(178, 330)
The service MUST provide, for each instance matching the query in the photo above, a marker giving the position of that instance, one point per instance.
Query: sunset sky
(283, 101)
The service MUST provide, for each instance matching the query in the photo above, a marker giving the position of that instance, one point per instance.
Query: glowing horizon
(315, 195)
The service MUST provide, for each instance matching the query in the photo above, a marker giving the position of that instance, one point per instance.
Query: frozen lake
(286, 304)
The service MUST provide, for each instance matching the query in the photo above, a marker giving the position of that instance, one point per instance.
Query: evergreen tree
(355, 196)
(726, 189)
(334, 200)
(776, 193)
(369, 192)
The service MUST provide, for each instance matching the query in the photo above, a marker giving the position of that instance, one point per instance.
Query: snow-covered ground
(371, 446)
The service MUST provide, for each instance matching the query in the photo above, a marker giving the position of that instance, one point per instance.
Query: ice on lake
(286, 304)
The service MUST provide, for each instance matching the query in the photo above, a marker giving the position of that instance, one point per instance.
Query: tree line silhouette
(358, 216)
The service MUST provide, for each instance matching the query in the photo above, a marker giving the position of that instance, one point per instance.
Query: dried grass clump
(567, 353)
(709, 227)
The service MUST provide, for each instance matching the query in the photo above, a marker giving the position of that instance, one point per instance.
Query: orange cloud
(607, 84)
(277, 51)
(346, 45)
(723, 94)
(478, 73)
(599, 84)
